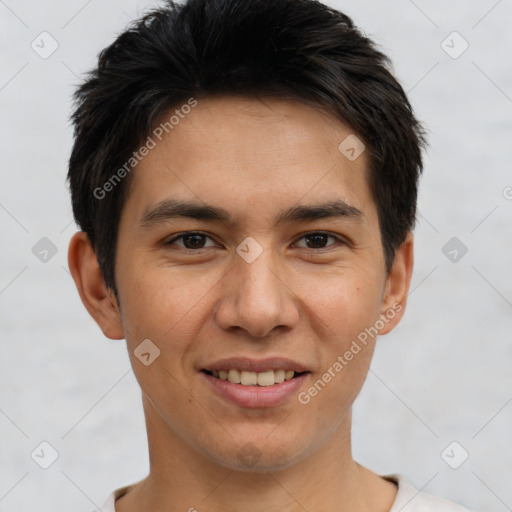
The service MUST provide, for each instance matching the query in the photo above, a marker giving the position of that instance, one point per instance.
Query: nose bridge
(257, 281)
(256, 299)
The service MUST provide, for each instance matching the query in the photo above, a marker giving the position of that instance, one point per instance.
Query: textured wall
(442, 376)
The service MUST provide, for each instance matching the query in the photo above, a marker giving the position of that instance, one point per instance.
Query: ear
(98, 299)
(397, 285)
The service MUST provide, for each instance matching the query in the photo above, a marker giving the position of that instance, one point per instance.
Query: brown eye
(318, 240)
(191, 241)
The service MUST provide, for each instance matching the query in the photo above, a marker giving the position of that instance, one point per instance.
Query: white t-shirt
(408, 499)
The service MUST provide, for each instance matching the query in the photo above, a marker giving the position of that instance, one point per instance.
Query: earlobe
(397, 285)
(98, 299)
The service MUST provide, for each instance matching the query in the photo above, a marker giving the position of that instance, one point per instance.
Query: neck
(182, 479)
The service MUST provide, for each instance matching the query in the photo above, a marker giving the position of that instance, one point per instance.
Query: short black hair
(289, 49)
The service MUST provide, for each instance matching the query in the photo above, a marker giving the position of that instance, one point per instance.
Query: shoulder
(409, 499)
(109, 504)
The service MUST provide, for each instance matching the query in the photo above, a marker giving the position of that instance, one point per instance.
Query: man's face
(261, 290)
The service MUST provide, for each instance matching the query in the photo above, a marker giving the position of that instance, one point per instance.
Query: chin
(263, 463)
(261, 456)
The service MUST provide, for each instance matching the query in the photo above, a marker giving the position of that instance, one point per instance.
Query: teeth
(279, 376)
(234, 376)
(248, 378)
(268, 378)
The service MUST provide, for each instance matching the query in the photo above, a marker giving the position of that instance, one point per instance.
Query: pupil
(317, 240)
(197, 239)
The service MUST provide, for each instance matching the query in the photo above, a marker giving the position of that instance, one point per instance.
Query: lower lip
(256, 396)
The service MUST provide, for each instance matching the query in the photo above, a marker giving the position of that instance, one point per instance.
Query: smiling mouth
(248, 378)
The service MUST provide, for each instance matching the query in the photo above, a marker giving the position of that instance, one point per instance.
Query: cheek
(348, 309)
(162, 304)
(165, 309)
(345, 304)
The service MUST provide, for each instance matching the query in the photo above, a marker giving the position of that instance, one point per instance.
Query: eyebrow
(171, 209)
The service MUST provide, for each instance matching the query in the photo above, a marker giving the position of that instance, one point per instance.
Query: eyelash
(191, 233)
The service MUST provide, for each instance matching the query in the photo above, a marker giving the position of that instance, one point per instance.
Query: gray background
(443, 375)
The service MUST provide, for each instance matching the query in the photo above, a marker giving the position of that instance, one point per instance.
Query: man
(245, 176)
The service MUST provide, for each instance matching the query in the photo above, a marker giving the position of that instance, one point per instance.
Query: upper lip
(256, 365)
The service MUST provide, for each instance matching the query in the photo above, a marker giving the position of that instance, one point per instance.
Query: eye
(318, 240)
(197, 241)
(191, 241)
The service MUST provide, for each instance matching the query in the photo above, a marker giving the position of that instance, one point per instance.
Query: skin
(297, 300)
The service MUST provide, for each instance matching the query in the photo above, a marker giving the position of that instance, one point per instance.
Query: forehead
(249, 155)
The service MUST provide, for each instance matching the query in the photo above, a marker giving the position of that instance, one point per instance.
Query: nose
(257, 298)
